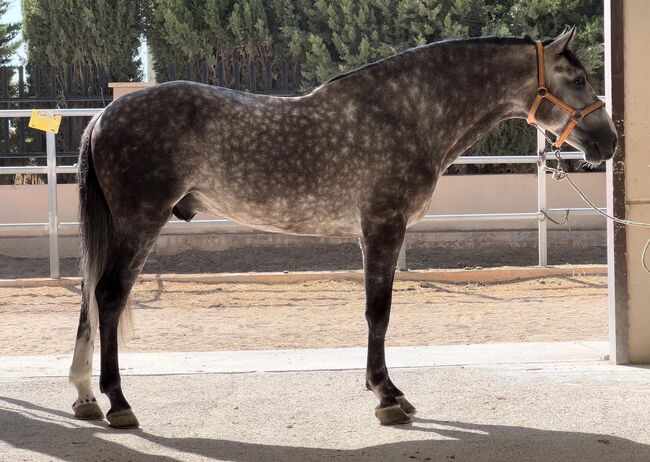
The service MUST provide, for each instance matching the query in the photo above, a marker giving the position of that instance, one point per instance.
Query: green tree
(205, 32)
(8, 46)
(62, 34)
(8, 32)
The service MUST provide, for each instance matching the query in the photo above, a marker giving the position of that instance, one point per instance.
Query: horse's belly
(287, 216)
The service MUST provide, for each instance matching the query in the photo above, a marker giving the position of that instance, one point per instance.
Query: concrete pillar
(124, 88)
(629, 34)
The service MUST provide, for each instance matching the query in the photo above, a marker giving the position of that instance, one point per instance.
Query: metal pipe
(483, 217)
(22, 170)
(578, 211)
(175, 224)
(67, 169)
(463, 160)
(52, 205)
(80, 112)
(542, 225)
(401, 258)
(24, 226)
(200, 223)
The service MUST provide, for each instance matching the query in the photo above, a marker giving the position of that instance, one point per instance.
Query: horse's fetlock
(376, 380)
(111, 390)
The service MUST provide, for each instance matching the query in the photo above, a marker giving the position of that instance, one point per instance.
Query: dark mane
(526, 39)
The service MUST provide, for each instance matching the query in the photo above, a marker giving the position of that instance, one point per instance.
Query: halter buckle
(542, 91)
(577, 116)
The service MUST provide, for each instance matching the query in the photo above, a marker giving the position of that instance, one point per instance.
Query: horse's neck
(453, 93)
(484, 85)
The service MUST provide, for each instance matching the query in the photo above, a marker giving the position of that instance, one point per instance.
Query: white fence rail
(53, 225)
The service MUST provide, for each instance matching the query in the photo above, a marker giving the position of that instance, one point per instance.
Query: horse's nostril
(615, 143)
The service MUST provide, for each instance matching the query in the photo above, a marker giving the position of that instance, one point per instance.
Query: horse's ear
(562, 42)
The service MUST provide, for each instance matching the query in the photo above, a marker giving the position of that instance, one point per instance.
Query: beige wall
(454, 195)
(124, 88)
(637, 171)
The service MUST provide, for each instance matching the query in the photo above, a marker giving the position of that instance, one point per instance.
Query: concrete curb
(485, 275)
(316, 359)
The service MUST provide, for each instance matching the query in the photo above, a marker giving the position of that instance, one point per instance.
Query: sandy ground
(205, 317)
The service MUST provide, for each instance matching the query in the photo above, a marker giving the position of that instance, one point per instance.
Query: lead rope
(559, 174)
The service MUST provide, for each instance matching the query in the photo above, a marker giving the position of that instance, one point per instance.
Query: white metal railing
(53, 225)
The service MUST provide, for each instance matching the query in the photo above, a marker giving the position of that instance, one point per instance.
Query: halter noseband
(543, 93)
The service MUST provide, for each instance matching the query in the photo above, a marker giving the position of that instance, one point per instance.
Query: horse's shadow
(23, 426)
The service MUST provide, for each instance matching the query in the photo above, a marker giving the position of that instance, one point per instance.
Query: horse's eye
(580, 81)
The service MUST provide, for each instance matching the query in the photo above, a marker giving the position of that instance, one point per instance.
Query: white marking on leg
(81, 369)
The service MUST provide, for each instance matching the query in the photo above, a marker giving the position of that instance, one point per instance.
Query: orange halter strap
(543, 93)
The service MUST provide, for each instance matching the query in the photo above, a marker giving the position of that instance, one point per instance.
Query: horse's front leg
(381, 244)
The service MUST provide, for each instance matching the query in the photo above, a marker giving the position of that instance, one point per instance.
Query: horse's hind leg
(381, 244)
(113, 288)
(85, 407)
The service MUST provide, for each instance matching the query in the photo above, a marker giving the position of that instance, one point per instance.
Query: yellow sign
(40, 120)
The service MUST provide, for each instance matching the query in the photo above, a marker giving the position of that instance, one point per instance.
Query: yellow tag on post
(40, 120)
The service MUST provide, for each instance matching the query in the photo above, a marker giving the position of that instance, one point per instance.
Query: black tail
(96, 224)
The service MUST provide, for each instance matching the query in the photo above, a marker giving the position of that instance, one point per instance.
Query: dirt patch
(203, 317)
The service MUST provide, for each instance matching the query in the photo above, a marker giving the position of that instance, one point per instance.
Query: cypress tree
(65, 35)
(8, 33)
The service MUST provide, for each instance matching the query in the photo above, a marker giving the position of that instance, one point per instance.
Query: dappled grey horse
(359, 156)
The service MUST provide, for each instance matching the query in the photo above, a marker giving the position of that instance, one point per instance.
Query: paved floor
(519, 402)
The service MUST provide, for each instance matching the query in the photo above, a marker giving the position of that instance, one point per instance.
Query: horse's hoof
(405, 405)
(87, 411)
(392, 415)
(122, 419)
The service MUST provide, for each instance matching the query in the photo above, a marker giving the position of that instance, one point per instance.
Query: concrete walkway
(516, 402)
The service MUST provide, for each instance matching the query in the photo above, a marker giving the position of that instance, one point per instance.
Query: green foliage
(331, 36)
(8, 33)
(76, 33)
(194, 32)
(8, 46)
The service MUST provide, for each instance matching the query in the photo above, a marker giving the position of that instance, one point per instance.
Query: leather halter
(542, 94)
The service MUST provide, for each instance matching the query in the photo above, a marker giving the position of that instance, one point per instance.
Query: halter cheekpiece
(543, 93)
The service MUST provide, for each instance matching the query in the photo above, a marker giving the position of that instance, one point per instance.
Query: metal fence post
(542, 224)
(401, 260)
(53, 224)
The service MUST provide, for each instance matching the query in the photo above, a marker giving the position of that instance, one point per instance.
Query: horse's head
(565, 79)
